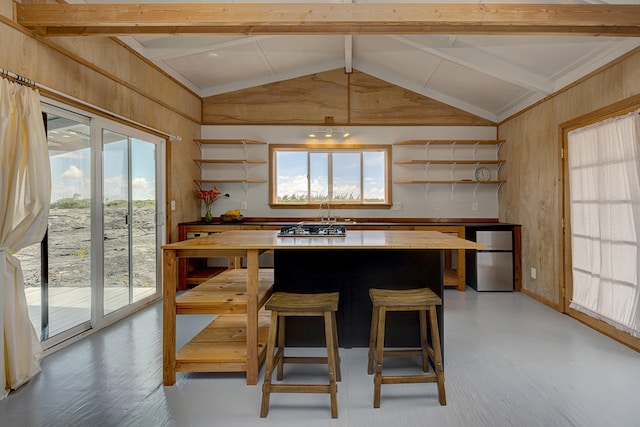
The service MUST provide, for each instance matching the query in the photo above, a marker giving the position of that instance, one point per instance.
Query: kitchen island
(235, 340)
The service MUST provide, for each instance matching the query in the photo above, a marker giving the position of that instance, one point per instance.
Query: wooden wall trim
(96, 69)
(84, 106)
(540, 299)
(600, 326)
(619, 108)
(606, 329)
(565, 291)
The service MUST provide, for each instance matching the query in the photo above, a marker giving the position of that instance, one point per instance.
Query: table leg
(169, 277)
(462, 263)
(252, 316)
(462, 274)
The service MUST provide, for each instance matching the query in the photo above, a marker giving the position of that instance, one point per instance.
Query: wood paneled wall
(104, 73)
(532, 195)
(332, 97)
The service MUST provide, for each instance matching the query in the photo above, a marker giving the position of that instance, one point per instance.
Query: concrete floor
(509, 361)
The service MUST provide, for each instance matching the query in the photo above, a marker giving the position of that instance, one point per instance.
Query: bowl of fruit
(232, 216)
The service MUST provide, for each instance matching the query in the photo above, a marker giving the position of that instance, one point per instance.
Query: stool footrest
(403, 353)
(312, 360)
(409, 379)
(300, 388)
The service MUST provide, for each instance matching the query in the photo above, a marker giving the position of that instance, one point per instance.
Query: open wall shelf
(463, 155)
(208, 162)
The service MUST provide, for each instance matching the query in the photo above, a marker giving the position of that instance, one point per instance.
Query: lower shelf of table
(222, 345)
(201, 275)
(451, 279)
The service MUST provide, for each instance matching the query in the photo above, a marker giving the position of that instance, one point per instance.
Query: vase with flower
(209, 197)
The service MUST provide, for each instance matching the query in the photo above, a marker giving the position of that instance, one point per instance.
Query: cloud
(288, 185)
(73, 173)
(115, 188)
(143, 189)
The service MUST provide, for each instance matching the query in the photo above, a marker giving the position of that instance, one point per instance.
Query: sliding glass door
(99, 259)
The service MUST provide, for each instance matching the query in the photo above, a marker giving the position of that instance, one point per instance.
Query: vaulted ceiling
(491, 76)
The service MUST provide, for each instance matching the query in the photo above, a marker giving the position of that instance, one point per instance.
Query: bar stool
(282, 305)
(424, 301)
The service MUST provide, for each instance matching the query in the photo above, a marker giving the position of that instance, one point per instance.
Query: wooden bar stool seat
(282, 305)
(424, 301)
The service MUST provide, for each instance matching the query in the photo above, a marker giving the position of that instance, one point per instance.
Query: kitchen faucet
(325, 202)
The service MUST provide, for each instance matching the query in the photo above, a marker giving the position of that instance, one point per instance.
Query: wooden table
(249, 244)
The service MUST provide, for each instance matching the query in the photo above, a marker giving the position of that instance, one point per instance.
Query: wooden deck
(71, 306)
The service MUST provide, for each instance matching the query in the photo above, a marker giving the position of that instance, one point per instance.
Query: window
(604, 161)
(348, 176)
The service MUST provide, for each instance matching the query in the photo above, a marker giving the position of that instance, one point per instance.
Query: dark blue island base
(353, 273)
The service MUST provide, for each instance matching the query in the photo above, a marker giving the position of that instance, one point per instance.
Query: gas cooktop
(299, 230)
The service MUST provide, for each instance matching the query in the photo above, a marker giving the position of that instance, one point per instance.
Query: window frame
(329, 148)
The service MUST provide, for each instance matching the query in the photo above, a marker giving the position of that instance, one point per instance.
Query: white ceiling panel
(290, 52)
(475, 87)
(221, 65)
(545, 56)
(395, 57)
(490, 76)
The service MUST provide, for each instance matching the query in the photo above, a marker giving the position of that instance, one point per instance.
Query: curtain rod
(17, 78)
(21, 80)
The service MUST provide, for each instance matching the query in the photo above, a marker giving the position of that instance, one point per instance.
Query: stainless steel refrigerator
(494, 264)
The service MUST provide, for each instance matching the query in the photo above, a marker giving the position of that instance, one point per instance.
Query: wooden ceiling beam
(330, 18)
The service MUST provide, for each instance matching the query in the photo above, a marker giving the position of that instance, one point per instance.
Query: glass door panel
(129, 212)
(116, 214)
(68, 239)
(144, 215)
(57, 271)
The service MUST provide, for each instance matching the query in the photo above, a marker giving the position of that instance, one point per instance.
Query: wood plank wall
(104, 73)
(533, 193)
(332, 97)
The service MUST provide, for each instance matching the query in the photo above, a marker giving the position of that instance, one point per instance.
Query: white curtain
(25, 192)
(604, 162)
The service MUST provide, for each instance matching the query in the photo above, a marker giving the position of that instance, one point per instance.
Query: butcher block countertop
(354, 239)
